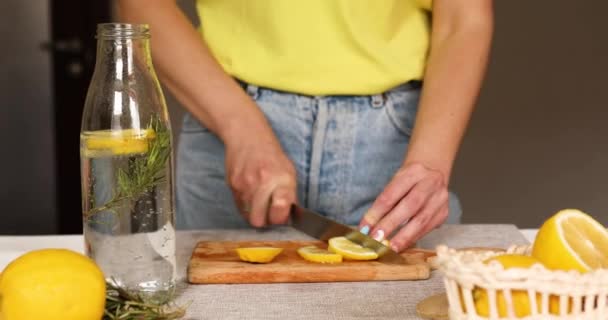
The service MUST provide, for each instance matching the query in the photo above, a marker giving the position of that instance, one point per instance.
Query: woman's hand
(461, 34)
(262, 179)
(417, 196)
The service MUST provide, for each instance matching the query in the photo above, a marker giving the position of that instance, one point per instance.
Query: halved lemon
(258, 254)
(318, 255)
(572, 240)
(116, 142)
(351, 250)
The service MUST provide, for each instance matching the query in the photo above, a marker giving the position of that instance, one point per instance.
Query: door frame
(72, 48)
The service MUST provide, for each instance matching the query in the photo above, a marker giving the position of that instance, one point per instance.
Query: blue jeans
(345, 150)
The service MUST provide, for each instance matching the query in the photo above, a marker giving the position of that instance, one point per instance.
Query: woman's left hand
(417, 196)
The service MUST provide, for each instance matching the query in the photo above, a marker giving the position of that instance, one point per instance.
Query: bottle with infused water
(127, 167)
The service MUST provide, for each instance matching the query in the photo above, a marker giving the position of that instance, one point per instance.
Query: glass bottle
(127, 167)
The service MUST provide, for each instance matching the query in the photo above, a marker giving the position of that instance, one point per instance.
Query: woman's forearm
(460, 43)
(187, 67)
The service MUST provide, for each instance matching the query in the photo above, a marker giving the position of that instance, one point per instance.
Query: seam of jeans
(318, 139)
(305, 107)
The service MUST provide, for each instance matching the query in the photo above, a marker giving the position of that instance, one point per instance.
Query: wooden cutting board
(218, 262)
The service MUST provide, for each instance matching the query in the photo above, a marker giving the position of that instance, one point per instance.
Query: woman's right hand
(262, 178)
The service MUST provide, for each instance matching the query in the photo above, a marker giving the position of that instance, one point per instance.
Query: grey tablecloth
(352, 300)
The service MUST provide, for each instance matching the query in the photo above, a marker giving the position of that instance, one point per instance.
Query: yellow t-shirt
(319, 47)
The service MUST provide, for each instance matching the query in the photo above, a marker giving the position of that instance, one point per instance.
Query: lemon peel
(258, 254)
(52, 284)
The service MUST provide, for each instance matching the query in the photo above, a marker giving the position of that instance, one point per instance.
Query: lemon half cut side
(572, 240)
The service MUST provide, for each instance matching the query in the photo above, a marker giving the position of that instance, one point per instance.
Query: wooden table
(348, 300)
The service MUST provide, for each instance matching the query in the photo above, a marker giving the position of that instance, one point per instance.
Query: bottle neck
(122, 55)
(121, 48)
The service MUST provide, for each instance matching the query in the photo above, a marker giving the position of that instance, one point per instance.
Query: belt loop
(253, 91)
(378, 100)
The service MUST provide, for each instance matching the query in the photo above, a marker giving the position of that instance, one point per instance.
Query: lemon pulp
(314, 254)
(351, 250)
(572, 240)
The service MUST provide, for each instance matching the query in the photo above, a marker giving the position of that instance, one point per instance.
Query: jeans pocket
(191, 125)
(401, 109)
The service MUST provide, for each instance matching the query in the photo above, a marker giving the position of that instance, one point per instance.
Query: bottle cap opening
(123, 31)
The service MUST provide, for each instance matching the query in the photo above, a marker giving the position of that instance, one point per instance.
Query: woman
(315, 101)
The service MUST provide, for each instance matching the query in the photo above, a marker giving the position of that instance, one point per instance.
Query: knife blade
(322, 228)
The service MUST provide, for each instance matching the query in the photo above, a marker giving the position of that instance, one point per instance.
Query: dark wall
(27, 161)
(538, 141)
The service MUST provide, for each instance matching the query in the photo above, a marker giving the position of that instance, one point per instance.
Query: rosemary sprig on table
(144, 172)
(121, 305)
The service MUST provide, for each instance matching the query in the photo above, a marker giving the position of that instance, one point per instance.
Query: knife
(322, 228)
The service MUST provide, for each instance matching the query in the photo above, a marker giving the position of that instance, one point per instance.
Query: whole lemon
(520, 298)
(52, 284)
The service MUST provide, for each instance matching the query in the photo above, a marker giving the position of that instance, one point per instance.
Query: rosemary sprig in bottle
(144, 173)
(121, 305)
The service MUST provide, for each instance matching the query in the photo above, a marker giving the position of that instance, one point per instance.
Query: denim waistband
(413, 84)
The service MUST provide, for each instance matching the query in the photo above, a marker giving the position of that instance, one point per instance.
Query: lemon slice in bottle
(116, 142)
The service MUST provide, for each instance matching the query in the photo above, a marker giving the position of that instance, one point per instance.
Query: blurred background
(537, 141)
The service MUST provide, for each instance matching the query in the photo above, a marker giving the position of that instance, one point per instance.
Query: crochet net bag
(545, 294)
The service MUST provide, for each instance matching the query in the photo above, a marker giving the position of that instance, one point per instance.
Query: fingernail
(364, 230)
(280, 202)
(394, 247)
(378, 235)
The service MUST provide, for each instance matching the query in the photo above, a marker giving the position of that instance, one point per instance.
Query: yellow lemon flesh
(520, 298)
(258, 254)
(572, 240)
(116, 142)
(314, 254)
(351, 250)
(52, 284)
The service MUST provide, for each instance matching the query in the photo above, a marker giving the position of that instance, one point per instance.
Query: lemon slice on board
(116, 142)
(314, 254)
(258, 254)
(351, 250)
(572, 240)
